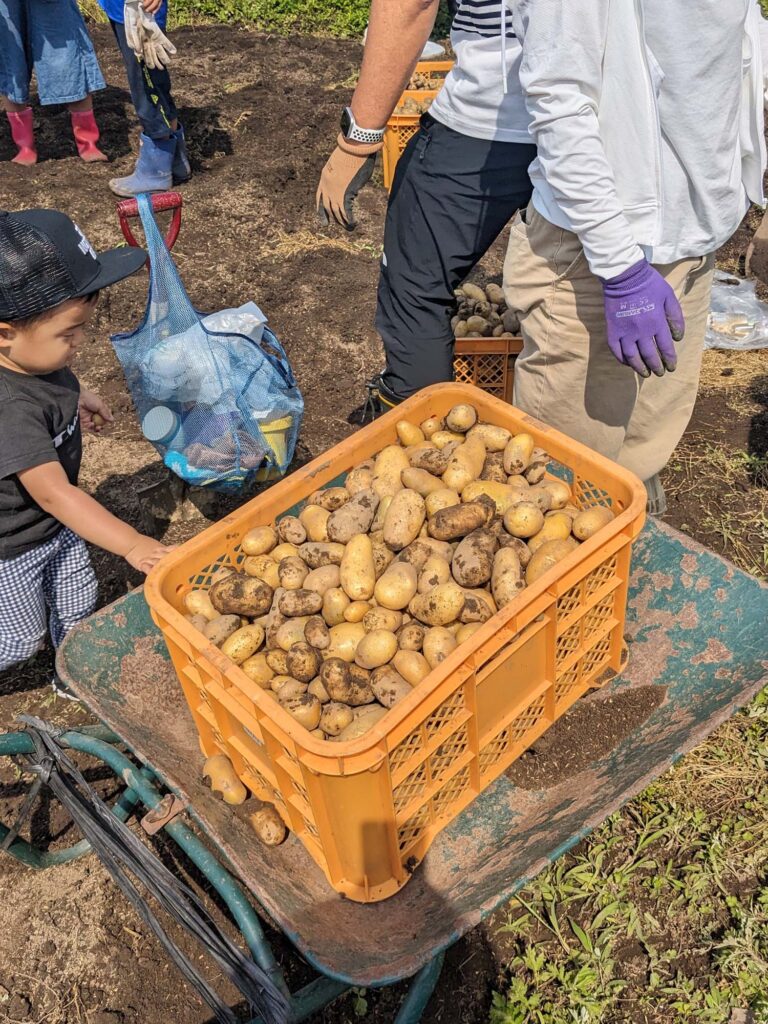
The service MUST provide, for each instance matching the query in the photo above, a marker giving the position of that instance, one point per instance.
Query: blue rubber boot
(153, 168)
(182, 169)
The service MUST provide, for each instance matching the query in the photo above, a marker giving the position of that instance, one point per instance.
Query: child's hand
(95, 414)
(146, 554)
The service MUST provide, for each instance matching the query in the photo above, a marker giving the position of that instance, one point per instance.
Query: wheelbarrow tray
(695, 625)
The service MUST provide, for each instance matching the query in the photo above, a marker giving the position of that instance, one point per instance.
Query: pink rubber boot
(86, 133)
(23, 133)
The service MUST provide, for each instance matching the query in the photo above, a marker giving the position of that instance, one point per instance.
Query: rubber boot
(86, 133)
(657, 499)
(23, 133)
(153, 171)
(182, 169)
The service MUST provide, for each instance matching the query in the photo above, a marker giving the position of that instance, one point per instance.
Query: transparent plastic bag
(214, 392)
(737, 319)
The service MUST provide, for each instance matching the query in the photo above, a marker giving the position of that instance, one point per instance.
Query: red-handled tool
(161, 201)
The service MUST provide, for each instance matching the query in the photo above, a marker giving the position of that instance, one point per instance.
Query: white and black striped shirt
(482, 17)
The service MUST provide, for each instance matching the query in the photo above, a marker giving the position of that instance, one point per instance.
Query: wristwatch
(354, 133)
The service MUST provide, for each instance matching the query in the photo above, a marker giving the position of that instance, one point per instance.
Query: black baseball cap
(45, 259)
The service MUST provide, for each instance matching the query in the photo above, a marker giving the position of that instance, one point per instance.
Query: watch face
(346, 121)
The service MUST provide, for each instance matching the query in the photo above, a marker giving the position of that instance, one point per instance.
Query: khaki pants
(566, 375)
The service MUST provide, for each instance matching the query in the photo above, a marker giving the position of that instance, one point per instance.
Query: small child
(50, 277)
(50, 39)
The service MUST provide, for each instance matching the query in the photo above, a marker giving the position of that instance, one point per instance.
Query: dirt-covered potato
(344, 640)
(364, 720)
(243, 643)
(292, 572)
(587, 523)
(376, 648)
(410, 636)
(303, 662)
(343, 686)
(335, 603)
(478, 607)
(458, 520)
(540, 496)
(198, 602)
(317, 689)
(461, 418)
(465, 464)
(396, 586)
(382, 557)
(335, 718)
(388, 468)
(444, 498)
(264, 567)
(408, 433)
(382, 618)
(198, 622)
(353, 518)
(223, 778)
(316, 632)
(330, 499)
(357, 570)
(478, 326)
(272, 621)
(305, 709)
(438, 644)
(537, 467)
(291, 632)
(286, 687)
(519, 546)
(325, 578)
(493, 468)
(431, 460)
(502, 495)
(547, 556)
(518, 452)
(291, 530)
(524, 519)
(257, 669)
(389, 687)
(259, 540)
(507, 579)
(268, 825)
(238, 594)
(300, 602)
(436, 571)
(404, 519)
(440, 606)
(277, 659)
(416, 554)
(473, 559)
(556, 526)
(220, 628)
(381, 513)
(359, 479)
(317, 555)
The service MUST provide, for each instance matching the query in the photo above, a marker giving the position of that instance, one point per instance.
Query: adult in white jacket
(648, 117)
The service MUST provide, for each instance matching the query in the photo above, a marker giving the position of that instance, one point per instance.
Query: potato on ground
(353, 518)
(238, 594)
(268, 825)
(224, 779)
(404, 519)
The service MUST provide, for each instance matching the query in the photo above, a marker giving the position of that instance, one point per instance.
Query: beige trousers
(566, 375)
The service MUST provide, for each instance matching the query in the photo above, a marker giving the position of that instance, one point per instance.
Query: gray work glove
(145, 37)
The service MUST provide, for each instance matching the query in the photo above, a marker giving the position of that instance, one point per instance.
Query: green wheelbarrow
(696, 627)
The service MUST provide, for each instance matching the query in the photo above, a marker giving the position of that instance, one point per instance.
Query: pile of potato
(339, 612)
(413, 106)
(483, 313)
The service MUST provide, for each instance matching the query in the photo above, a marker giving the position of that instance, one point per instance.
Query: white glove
(145, 37)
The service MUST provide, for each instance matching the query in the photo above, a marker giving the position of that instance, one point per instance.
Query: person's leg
(451, 197)
(22, 605)
(69, 585)
(15, 76)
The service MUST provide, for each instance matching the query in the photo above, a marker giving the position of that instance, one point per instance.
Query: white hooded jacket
(592, 88)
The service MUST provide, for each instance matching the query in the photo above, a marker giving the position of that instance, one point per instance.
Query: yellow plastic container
(367, 810)
(402, 127)
(276, 435)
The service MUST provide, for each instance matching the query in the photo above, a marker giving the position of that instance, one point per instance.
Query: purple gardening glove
(644, 320)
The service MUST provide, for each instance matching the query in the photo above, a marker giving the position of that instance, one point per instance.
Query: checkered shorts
(52, 586)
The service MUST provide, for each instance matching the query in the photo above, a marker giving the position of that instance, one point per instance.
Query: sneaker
(657, 499)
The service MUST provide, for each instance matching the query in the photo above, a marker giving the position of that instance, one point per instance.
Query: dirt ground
(260, 115)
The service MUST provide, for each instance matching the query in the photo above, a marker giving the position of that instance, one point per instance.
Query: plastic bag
(737, 318)
(214, 392)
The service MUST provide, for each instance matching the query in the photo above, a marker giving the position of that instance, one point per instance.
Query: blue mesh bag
(215, 392)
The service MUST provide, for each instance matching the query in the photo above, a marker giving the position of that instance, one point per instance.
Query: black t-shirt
(39, 423)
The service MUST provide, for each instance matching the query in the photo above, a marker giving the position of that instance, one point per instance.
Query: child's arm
(49, 487)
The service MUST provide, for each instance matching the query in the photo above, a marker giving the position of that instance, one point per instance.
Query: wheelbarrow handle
(161, 201)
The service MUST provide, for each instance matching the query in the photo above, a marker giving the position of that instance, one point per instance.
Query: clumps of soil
(585, 734)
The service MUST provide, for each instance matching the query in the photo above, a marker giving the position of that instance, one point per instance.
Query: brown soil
(261, 114)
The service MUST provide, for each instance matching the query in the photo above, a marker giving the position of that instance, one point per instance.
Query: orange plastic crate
(368, 810)
(402, 127)
(488, 363)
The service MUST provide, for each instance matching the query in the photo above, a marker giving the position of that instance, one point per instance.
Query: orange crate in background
(488, 363)
(367, 810)
(402, 127)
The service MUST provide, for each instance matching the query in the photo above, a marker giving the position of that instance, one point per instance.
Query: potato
(444, 498)
(331, 498)
(316, 633)
(291, 632)
(359, 479)
(325, 578)
(286, 688)
(335, 603)
(411, 665)
(353, 518)
(495, 294)
(220, 628)
(243, 643)
(272, 621)
(358, 572)
(284, 550)
(479, 606)
(478, 325)
(431, 426)
(465, 464)
(317, 555)
(292, 530)
(461, 418)
(587, 523)
(440, 606)
(537, 467)
(556, 526)
(292, 572)
(408, 433)
(277, 660)
(303, 662)
(264, 567)
(259, 541)
(416, 554)
(524, 519)
(547, 556)
(459, 520)
(389, 465)
(382, 618)
(507, 578)
(422, 482)
(467, 630)
(300, 602)
(335, 718)
(239, 594)
(540, 496)
(382, 557)
(504, 496)
(342, 686)
(404, 519)
(268, 825)
(396, 586)
(410, 637)
(376, 649)
(356, 611)
(494, 438)
(431, 460)
(436, 571)
(315, 520)
(381, 512)
(361, 723)
(317, 689)
(438, 644)
(305, 709)
(473, 291)
(389, 686)
(257, 669)
(560, 492)
(224, 779)
(520, 548)
(344, 640)
(198, 602)
(472, 562)
(443, 438)
(493, 468)
(518, 452)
